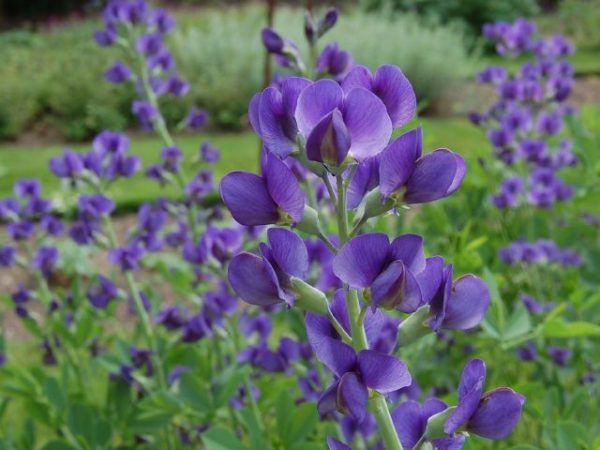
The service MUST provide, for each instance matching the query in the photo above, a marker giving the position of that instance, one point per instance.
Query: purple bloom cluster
(524, 124)
(542, 251)
(158, 74)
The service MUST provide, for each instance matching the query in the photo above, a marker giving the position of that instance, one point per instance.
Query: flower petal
(436, 175)
(361, 259)
(498, 414)
(368, 123)
(283, 188)
(253, 112)
(352, 396)
(251, 281)
(289, 251)
(339, 309)
(334, 444)
(291, 88)
(469, 393)
(396, 92)
(314, 102)
(329, 141)
(409, 423)
(398, 161)
(468, 303)
(381, 372)
(359, 76)
(248, 199)
(277, 129)
(327, 403)
(364, 180)
(396, 287)
(431, 277)
(336, 355)
(408, 248)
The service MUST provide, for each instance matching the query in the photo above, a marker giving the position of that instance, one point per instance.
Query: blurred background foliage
(51, 68)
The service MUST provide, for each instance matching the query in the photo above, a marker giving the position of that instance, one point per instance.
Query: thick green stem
(386, 426)
(377, 402)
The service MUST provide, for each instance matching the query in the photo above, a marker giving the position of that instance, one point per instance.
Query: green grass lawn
(238, 151)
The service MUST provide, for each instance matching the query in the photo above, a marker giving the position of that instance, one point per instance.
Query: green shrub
(222, 54)
(471, 14)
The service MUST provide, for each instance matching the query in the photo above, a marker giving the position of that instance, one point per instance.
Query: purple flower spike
(391, 86)
(262, 200)
(102, 292)
(370, 261)
(363, 113)
(271, 114)
(265, 279)
(493, 415)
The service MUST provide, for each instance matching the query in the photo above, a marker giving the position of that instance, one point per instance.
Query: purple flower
(110, 143)
(106, 37)
(118, 73)
(20, 231)
(355, 374)
(29, 189)
(46, 260)
(560, 355)
(7, 255)
(454, 305)
(149, 44)
(406, 175)
(388, 270)
(410, 422)
(127, 258)
(52, 226)
(171, 157)
(334, 61)
(177, 86)
(195, 329)
(102, 292)
(334, 444)
(272, 41)
(123, 166)
(528, 352)
(162, 60)
(260, 325)
(162, 20)
(70, 165)
(222, 243)
(549, 123)
(271, 114)
(265, 280)
(196, 118)
(145, 112)
(493, 414)
(209, 153)
(391, 86)
(200, 186)
(356, 117)
(271, 198)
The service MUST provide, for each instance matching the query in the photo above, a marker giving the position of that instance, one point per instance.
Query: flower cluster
(328, 148)
(525, 123)
(542, 251)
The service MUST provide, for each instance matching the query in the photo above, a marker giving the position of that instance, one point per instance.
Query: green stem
(377, 402)
(342, 217)
(384, 420)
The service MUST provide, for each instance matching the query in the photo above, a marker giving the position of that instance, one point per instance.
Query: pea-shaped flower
(390, 85)
(266, 279)
(454, 305)
(271, 114)
(409, 177)
(493, 414)
(273, 197)
(356, 373)
(387, 269)
(336, 124)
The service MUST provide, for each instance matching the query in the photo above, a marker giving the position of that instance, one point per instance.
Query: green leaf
(151, 422)
(231, 381)
(194, 393)
(302, 423)
(54, 394)
(81, 421)
(257, 437)
(571, 434)
(518, 324)
(558, 328)
(219, 438)
(58, 445)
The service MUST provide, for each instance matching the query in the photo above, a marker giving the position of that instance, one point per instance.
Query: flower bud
(414, 327)
(309, 298)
